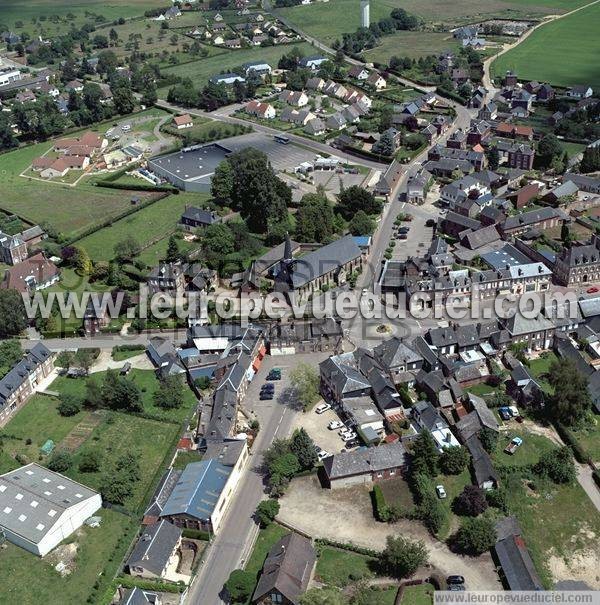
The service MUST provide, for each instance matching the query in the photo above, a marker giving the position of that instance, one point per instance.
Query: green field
(200, 71)
(327, 21)
(563, 53)
(410, 44)
(149, 224)
(341, 567)
(52, 15)
(29, 580)
(422, 594)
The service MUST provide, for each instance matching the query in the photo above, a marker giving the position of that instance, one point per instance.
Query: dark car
(430, 222)
(455, 580)
(269, 388)
(273, 375)
(403, 236)
(404, 230)
(264, 395)
(352, 443)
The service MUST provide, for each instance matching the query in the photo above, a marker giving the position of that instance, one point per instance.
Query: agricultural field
(327, 21)
(410, 44)
(28, 580)
(560, 52)
(49, 18)
(200, 71)
(148, 226)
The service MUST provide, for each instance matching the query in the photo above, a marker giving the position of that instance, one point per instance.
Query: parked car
(456, 587)
(440, 491)
(322, 455)
(349, 436)
(320, 409)
(592, 290)
(404, 230)
(403, 236)
(515, 443)
(504, 413)
(266, 395)
(352, 443)
(335, 424)
(455, 580)
(268, 387)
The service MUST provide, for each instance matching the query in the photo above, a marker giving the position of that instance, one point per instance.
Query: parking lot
(419, 236)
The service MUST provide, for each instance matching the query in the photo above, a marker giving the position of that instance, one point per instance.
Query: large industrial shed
(40, 508)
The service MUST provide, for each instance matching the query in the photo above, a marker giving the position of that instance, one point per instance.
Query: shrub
(69, 405)
(266, 511)
(471, 501)
(240, 585)
(380, 508)
(60, 462)
(476, 536)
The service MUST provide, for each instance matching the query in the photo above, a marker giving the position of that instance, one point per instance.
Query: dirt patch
(583, 566)
(63, 555)
(346, 515)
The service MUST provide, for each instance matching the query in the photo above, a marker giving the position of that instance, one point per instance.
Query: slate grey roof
(482, 464)
(563, 190)
(514, 558)
(394, 352)
(480, 237)
(328, 258)
(200, 215)
(518, 325)
(590, 307)
(162, 493)
(532, 217)
(341, 370)
(361, 462)
(44, 497)
(287, 568)
(154, 547)
(137, 596)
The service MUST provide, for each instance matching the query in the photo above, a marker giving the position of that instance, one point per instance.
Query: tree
(425, 455)
(81, 261)
(454, 460)
(303, 447)
(170, 393)
(123, 99)
(314, 219)
(305, 380)
(471, 501)
(93, 394)
(591, 160)
(13, 319)
(489, 439)
(60, 462)
(217, 243)
(355, 198)
(493, 156)
(385, 145)
(476, 536)
(548, 149)
(361, 224)
(116, 489)
(10, 353)
(221, 185)
(69, 405)
(403, 556)
(173, 254)
(90, 462)
(126, 250)
(285, 466)
(120, 393)
(565, 234)
(571, 401)
(240, 585)
(266, 511)
(558, 467)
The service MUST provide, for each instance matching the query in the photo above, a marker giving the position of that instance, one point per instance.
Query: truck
(515, 442)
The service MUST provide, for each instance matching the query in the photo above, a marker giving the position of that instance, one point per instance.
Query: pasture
(327, 21)
(563, 52)
(200, 71)
(147, 226)
(410, 44)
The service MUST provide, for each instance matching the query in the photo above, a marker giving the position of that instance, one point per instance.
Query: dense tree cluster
(571, 402)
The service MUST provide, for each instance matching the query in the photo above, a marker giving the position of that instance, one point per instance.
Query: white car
(335, 424)
(322, 408)
(440, 491)
(349, 436)
(322, 455)
(125, 127)
(344, 431)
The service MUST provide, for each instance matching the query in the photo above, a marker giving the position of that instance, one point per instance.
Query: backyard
(559, 52)
(29, 580)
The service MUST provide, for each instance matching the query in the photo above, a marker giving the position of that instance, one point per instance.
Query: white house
(40, 508)
(376, 81)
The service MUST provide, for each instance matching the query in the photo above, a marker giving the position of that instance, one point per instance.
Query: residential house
(227, 79)
(358, 72)
(426, 417)
(155, 554)
(32, 274)
(312, 62)
(294, 97)
(265, 111)
(376, 81)
(13, 249)
(167, 278)
(184, 121)
(198, 218)
(521, 156)
(580, 92)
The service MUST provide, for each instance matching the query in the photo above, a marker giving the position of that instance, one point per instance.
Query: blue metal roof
(362, 241)
(197, 492)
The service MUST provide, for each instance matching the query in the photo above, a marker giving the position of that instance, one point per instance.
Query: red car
(592, 290)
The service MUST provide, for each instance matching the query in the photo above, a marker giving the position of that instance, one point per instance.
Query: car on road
(335, 424)
(323, 407)
(440, 491)
(592, 290)
(515, 443)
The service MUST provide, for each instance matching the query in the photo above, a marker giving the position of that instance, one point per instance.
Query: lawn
(123, 355)
(185, 458)
(397, 492)
(146, 226)
(481, 390)
(341, 567)
(454, 485)
(157, 251)
(422, 594)
(540, 367)
(29, 580)
(529, 452)
(560, 52)
(267, 537)
(411, 44)
(200, 71)
(590, 439)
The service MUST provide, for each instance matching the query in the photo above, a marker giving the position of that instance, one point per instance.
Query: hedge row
(129, 348)
(367, 552)
(196, 534)
(581, 455)
(131, 582)
(379, 505)
(141, 187)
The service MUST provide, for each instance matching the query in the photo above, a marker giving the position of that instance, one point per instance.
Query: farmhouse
(287, 571)
(13, 249)
(40, 508)
(184, 121)
(364, 466)
(34, 273)
(197, 218)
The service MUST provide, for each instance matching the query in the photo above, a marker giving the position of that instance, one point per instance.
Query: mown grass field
(411, 44)
(203, 69)
(29, 580)
(152, 223)
(339, 567)
(327, 21)
(563, 53)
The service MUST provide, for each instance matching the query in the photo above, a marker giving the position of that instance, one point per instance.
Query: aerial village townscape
(270, 164)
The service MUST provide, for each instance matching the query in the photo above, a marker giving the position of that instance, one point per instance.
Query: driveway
(106, 362)
(346, 515)
(316, 426)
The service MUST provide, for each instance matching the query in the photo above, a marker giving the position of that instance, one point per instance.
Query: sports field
(200, 71)
(564, 52)
(327, 21)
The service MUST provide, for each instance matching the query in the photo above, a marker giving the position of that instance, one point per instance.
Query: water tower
(364, 13)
